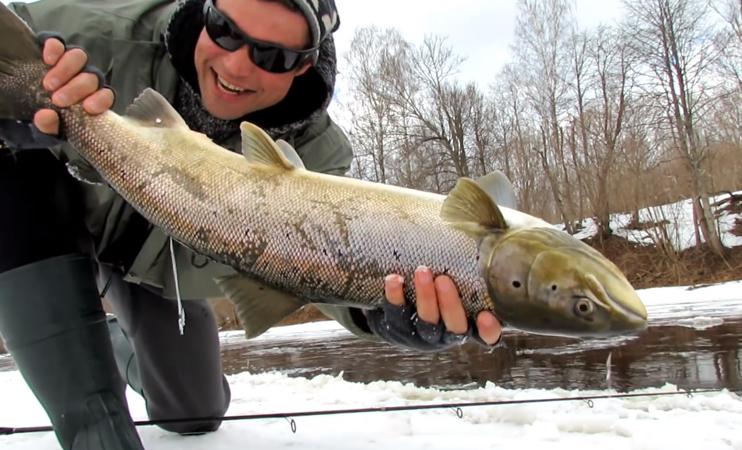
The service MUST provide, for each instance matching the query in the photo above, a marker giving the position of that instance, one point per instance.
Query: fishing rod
(457, 407)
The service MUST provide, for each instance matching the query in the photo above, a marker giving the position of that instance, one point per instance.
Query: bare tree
(609, 59)
(728, 41)
(673, 40)
(373, 115)
(542, 34)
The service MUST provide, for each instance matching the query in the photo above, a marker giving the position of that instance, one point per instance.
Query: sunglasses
(268, 56)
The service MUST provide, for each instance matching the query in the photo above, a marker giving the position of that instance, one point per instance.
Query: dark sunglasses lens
(273, 59)
(221, 32)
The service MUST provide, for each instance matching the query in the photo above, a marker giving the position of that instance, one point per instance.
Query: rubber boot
(124, 354)
(55, 329)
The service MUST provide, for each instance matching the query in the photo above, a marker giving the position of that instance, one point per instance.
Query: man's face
(264, 20)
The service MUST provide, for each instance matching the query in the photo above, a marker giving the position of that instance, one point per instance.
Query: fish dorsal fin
(290, 153)
(469, 208)
(151, 109)
(499, 188)
(259, 148)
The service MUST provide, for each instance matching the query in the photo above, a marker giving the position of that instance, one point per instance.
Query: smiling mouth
(229, 87)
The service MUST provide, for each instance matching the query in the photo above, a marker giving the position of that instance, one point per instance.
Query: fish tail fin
(22, 68)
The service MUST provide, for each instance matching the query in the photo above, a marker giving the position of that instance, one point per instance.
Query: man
(271, 62)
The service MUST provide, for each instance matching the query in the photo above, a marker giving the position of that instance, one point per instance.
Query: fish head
(540, 279)
(545, 281)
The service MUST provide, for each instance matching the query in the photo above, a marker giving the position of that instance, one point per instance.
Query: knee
(197, 421)
(192, 428)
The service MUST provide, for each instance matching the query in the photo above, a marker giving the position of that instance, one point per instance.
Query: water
(666, 353)
(687, 357)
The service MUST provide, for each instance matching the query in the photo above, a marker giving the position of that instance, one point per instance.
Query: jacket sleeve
(324, 147)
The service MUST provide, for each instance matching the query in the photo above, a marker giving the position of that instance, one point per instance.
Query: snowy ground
(703, 421)
(679, 229)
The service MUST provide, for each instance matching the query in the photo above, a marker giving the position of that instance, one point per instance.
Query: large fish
(329, 239)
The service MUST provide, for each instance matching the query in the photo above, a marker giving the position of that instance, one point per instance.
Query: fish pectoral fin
(84, 172)
(499, 188)
(258, 306)
(469, 208)
(259, 148)
(151, 109)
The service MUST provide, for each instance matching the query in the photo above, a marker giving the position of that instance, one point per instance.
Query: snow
(702, 420)
(708, 420)
(679, 228)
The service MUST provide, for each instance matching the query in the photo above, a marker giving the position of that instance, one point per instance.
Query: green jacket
(123, 38)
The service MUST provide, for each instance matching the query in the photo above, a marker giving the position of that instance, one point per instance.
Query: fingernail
(60, 99)
(394, 278)
(52, 84)
(423, 273)
(444, 284)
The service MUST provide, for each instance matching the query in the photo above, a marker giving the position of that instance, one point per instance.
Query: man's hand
(438, 321)
(71, 81)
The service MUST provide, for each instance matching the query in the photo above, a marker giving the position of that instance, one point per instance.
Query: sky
(479, 30)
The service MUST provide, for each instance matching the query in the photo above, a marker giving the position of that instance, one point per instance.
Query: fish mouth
(629, 307)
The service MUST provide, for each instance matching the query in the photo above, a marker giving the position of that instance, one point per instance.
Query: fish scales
(320, 240)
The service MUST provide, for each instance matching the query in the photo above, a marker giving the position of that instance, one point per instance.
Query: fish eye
(584, 307)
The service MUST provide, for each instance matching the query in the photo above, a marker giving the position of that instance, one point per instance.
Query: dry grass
(648, 267)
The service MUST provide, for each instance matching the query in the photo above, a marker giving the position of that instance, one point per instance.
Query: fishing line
(456, 407)
(181, 311)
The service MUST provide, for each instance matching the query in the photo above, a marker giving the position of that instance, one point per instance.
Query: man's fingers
(47, 121)
(393, 289)
(425, 298)
(489, 327)
(53, 50)
(99, 102)
(449, 303)
(69, 65)
(79, 88)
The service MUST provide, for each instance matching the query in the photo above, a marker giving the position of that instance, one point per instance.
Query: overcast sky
(480, 30)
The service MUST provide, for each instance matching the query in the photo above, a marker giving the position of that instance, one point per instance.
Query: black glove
(23, 134)
(401, 326)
